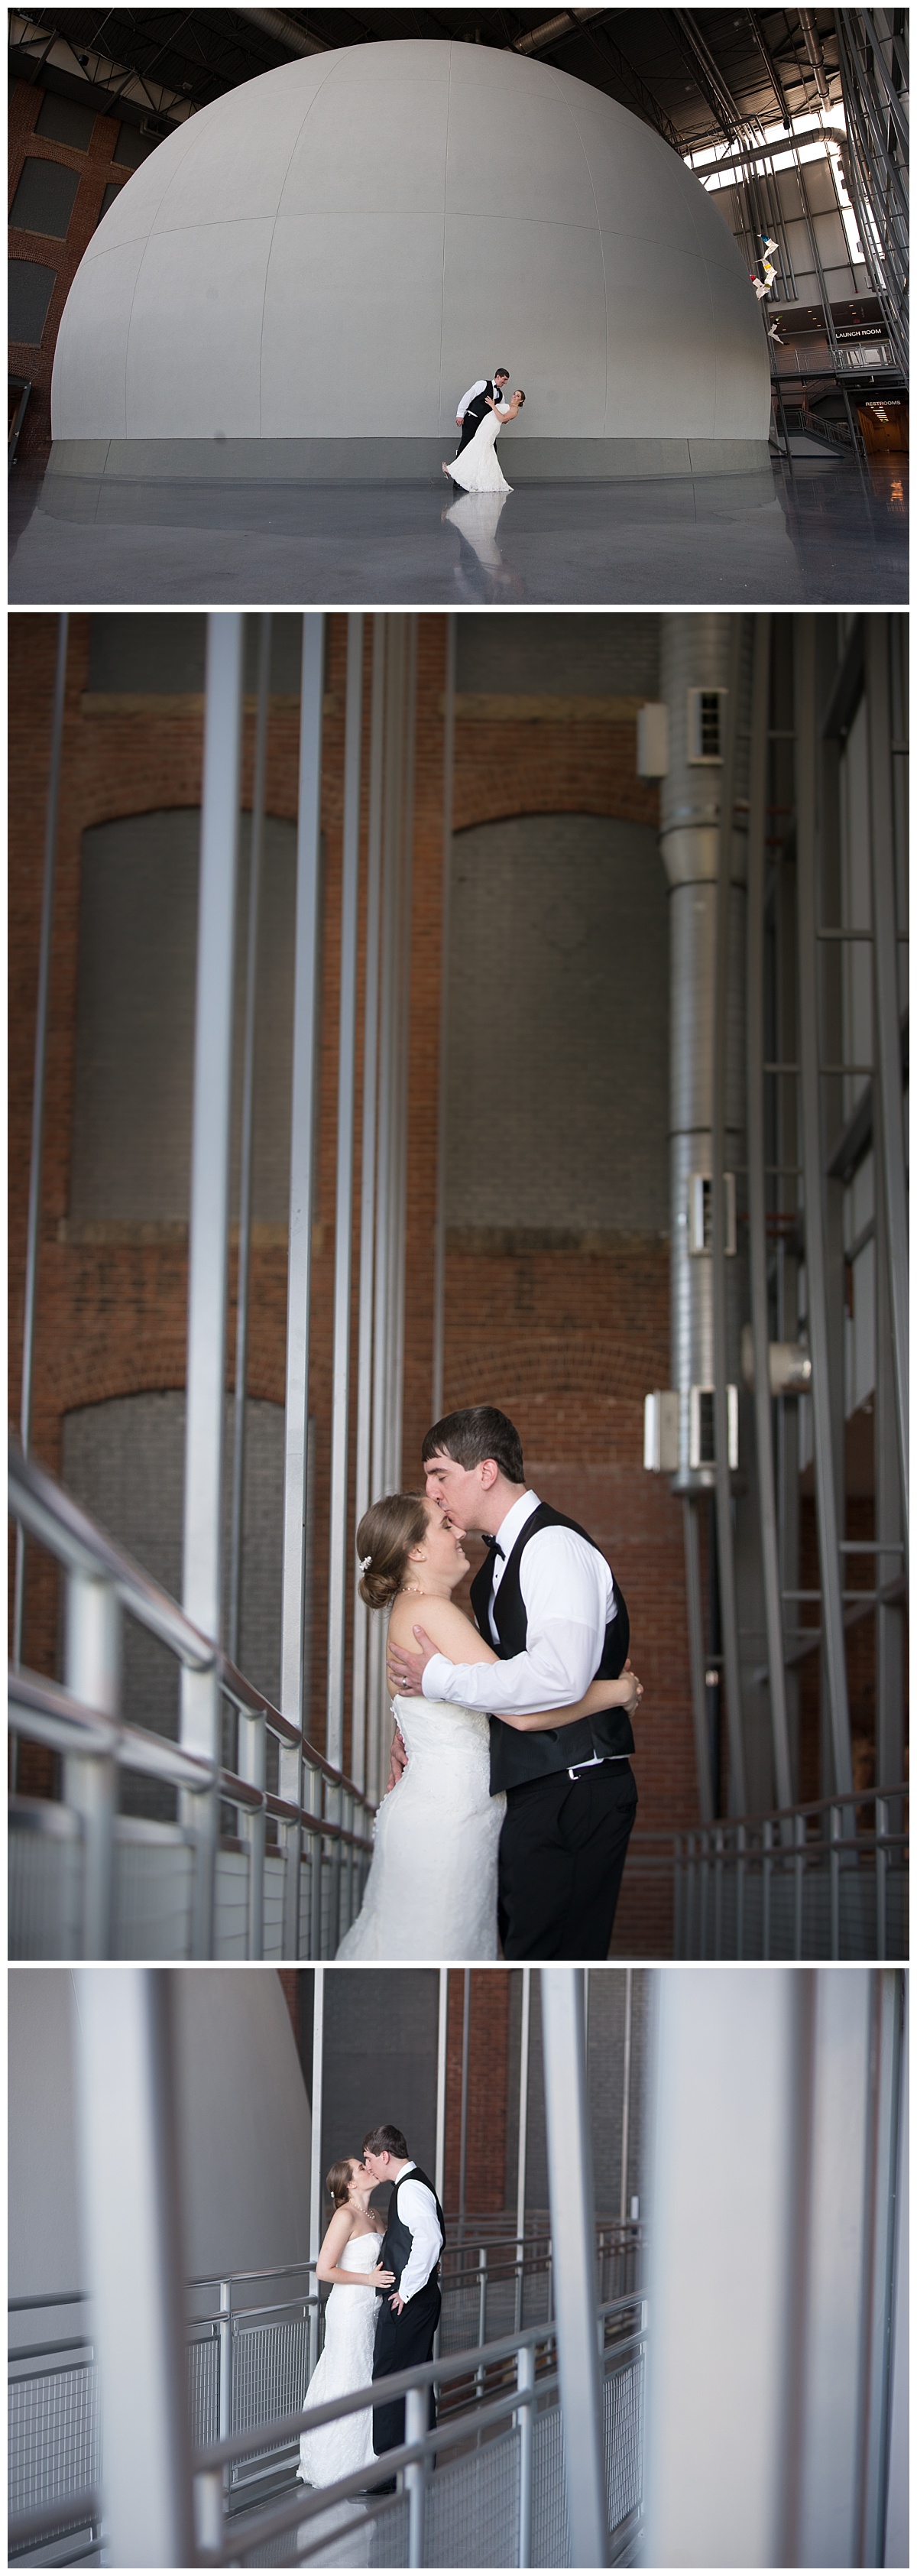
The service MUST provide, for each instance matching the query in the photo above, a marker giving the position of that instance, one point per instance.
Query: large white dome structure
(314, 268)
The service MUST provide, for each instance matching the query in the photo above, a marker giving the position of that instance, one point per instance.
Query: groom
(475, 403)
(411, 2247)
(547, 1601)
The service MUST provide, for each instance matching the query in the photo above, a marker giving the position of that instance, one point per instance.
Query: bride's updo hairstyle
(385, 1537)
(338, 2180)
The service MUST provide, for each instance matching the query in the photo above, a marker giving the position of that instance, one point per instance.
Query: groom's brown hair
(385, 2142)
(479, 1432)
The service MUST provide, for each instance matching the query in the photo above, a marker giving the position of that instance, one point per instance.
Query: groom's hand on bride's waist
(406, 1670)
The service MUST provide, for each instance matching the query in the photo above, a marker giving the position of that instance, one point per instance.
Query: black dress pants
(562, 1853)
(401, 2340)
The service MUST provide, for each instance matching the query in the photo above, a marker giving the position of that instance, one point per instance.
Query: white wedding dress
(345, 2363)
(432, 1889)
(476, 469)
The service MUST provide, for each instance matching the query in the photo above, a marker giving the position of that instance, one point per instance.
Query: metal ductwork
(285, 31)
(695, 679)
(561, 25)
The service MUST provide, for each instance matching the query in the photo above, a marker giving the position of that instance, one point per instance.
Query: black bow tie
(493, 1545)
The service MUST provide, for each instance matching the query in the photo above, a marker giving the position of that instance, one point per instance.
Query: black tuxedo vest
(517, 1756)
(476, 412)
(398, 2240)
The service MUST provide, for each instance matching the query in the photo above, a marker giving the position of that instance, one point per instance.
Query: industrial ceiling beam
(565, 23)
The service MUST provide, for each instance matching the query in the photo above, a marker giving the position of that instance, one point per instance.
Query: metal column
(131, 2200)
(573, 2243)
(757, 1217)
(463, 2114)
(724, 1530)
(302, 1142)
(889, 1132)
(808, 880)
(442, 2032)
(697, 1660)
(364, 1757)
(522, 2147)
(625, 2108)
(340, 1559)
(439, 1232)
(256, 852)
(315, 2158)
(209, 1229)
(33, 1219)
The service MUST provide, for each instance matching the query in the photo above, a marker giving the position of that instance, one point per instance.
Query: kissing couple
(368, 2336)
(511, 1798)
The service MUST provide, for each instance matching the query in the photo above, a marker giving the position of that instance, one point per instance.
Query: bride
(432, 1888)
(349, 2257)
(476, 467)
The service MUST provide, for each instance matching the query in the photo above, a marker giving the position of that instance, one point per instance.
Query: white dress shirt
(569, 1598)
(477, 388)
(418, 2208)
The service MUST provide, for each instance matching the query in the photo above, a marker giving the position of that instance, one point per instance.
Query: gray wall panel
(558, 1026)
(135, 1019)
(568, 657)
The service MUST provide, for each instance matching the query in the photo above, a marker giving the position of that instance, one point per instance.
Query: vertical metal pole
(890, 1140)
(880, 2218)
(573, 2241)
(402, 1052)
(209, 1226)
(525, 2379)
(723, 2249)
(90, 1786)
(315, 2157)
(256, 852)
(131, 2200)
(625, 2107)
(522, 2151)
(757, 1218)
(225, 2350)
(339, 1548)
(439, 2169)
(889, 1526)
(463, 2122)
(302, 1147)
(724, 1532)
(439, 1223)
(33, 1219)
(364, 1759)
(705, 1796)
(415, 2476)
(810, 1126)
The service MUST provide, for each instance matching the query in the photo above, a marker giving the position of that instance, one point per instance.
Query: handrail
(51, 1515)
(307, 2263)
(460, 2365)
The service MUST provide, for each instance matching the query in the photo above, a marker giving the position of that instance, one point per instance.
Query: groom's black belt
(596, 1762)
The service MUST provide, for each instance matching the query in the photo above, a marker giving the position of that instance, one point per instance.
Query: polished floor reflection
(823, 534)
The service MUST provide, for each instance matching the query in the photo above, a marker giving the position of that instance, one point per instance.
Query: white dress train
(476, 469)
(432, 1888)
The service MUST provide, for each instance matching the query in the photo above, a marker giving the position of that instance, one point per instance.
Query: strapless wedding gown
(476, 469)
(345, 2363)
(432, 1888)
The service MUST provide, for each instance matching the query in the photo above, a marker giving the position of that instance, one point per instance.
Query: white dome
(338, 248)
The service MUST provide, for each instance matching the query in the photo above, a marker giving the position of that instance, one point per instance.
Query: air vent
(705, 725)
(701, 1431)
(700, 1212)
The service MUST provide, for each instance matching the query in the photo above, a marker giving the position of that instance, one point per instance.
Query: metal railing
(495, 2465)
(807, 1882)
(88, 1882)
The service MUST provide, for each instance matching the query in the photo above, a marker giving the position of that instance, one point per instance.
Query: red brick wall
(566, 1341)
(97, 170)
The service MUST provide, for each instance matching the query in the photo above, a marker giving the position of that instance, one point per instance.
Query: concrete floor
(824, 534)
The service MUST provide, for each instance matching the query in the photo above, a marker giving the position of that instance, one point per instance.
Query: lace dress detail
(345, 2363)
(432, 1887)
(476, 469)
